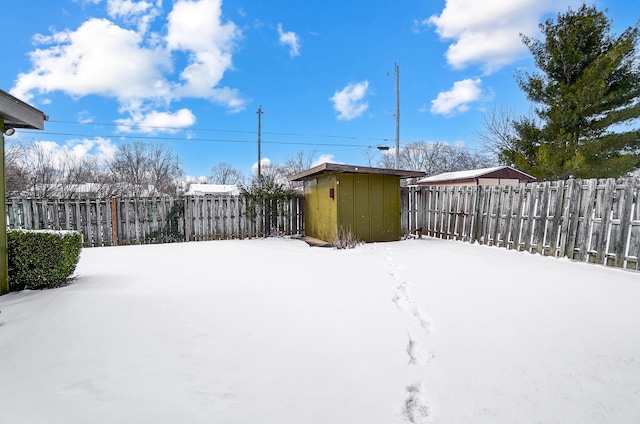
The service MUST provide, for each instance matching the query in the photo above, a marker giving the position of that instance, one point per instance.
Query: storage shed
(363, 200)
(500, 175)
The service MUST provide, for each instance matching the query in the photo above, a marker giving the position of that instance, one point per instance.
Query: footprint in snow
(416, 408)
(417, 354)
(422, 318)
(401, 298)
(395, 275)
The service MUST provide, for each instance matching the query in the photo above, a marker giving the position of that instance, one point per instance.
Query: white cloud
(488, 32)
(196, 27)
(97, 58)
(290, 39)
(85, 117)
(139, 13)
(100, 149)
(156, 121)
(323, 159)
(126, 8)
(265, 166)
(458, 98)
(349, 102)
(139, 69)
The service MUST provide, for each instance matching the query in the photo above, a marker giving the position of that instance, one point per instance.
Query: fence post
(543, 192)
(114, 223)
(625, 208)
(479, 221)
(571, 218)
(588, 199)
(606, 210)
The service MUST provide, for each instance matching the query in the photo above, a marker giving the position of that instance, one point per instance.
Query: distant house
(202, 189)
(500, 175)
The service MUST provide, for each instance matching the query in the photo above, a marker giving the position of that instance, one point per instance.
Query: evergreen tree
(587, 95)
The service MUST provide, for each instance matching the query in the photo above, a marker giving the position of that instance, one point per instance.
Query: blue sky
(192, 73)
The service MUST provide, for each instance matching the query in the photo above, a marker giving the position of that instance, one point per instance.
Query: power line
(158, 127)
(217, 140)
(407, 143)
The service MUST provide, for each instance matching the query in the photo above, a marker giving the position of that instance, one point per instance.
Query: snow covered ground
(274, 331)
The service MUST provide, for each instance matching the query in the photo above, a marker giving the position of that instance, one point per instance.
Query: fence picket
(588, 220)
(105, 222)
(554, 217)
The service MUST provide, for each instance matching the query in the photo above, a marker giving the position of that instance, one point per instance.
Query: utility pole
(397, 117)
(259, 112)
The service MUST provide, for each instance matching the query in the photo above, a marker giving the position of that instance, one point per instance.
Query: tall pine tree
(587, 97)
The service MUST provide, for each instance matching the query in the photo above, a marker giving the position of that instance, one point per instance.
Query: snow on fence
(120, 221)
(588, 220)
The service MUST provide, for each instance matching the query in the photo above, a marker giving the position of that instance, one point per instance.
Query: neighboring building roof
(18, 114)
(202, 189)
(351, 169)
(473, 174)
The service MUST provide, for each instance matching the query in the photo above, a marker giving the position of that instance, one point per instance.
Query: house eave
(17, 114)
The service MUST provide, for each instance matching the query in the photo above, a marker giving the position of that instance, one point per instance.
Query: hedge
(42, 259)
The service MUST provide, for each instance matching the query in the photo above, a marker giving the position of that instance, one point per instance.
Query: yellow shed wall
(369, 206)
(320, 210)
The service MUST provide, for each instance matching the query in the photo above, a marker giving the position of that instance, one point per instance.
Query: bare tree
(17, 177)
(143, 168)
(225, 173)
(435, 158)
(44, 170)
(294, 164)
(271, 174)
(130, 167)
(42, 175)
(84, 177)
(164, 169)
(499, 132)
(371, 155)
(297, 162)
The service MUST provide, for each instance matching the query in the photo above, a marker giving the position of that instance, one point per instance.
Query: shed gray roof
(18, 114)
(352, 169)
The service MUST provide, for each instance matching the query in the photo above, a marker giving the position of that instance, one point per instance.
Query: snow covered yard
(275, 331)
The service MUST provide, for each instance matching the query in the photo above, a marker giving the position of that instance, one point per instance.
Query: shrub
(42, 259)
(265, 202)
(345, 239)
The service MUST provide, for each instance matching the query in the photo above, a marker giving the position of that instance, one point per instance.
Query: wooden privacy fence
(588, 220)
(120, 221)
